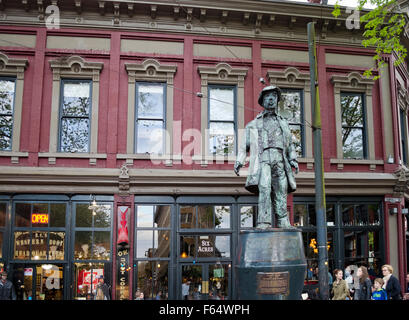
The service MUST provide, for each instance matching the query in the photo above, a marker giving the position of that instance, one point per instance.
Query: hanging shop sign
(122, 287)
(123, 222)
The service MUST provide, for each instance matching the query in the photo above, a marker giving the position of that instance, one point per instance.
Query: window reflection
(205, 246)
(247, 216)
(208, 217)
(222, 120)
(86, 279)
(292, 109)
(7, 90)
(352, 125)
(152, 280)
(75, 116)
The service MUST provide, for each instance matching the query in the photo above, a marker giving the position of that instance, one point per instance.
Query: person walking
(379, 292)
(364, 290)
(391, 285)
(340, 290)
(7, 291)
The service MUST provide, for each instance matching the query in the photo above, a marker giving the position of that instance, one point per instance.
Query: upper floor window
(150, 118)
(293, 111)
(353, 125)
(222, 120)
(75, 112)
(7, 92)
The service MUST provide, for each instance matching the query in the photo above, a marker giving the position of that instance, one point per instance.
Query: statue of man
(272, 157)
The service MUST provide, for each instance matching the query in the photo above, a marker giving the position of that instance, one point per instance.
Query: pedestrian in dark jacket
(364, 291)
(391, 285)
(7, 291)
(103, 290)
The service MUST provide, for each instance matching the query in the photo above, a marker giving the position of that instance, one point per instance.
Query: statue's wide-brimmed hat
(268, 89)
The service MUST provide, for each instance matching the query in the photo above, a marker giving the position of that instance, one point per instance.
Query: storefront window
(205, 217)
(360, 214)
(93, 232)
(3, 207)
(86, 279)
(34, 237)
(152, 280)
(205, 246)
(248, 216)
(305, 215)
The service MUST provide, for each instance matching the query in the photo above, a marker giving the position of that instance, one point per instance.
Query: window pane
(297, 139)
(356, 244)
(348, 215)
(149, 136)
(76, 99)
(222, 217)
(374, 214)
(86, 279)
(150, 101)
(221, 101)
(3, 207)
(187, 246)
(39, 245)
(144, 245)
(74, 135)
(352, 143)
(291, 106)
(161, 242)
(6, 97)
(187, 217)
(205, 217)
(222, 246)
(83, 245)
(56, 251)
(221, 138)
(102, 217)
(6, 126)
(300, 215)
(330, 215)
(23, 215)
(102, 245)
(40, 208)
(144, 216)
(22, 245)
(1, 245)
(57, 214)
(247, 216)
(162, 216)
(83, 216)
(352, 110)
(361, 213)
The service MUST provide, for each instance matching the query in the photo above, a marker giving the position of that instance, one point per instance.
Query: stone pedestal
(271, 264)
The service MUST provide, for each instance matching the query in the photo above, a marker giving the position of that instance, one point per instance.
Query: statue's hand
(237, 167)
(294, 164)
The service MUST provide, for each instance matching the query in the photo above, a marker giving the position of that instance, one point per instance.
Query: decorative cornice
(150, 69)
(354, 82)
(12, 67)
(75, 66)
(222, 73)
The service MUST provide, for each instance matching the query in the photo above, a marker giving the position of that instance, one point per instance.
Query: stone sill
(52, 156)
(14, 155)
(372, 163)
(167, 159)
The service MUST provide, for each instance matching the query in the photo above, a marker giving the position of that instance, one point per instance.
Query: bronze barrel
(271, 264)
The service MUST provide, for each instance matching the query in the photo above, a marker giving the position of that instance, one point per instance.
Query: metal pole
(320, 210)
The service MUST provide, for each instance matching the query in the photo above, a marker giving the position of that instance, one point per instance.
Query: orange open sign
(39, 218)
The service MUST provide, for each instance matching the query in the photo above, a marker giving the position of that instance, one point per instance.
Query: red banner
(123, 222)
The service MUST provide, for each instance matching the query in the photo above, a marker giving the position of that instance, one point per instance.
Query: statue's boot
(284, 223)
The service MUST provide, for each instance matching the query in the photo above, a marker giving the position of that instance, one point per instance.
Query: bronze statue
(272, 157)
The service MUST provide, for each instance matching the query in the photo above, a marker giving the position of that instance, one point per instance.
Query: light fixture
(93, 204)
(393, 211)
(46, 266)
(183, 255)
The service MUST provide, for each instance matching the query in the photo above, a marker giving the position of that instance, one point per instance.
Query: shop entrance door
(205, 281)
(38, 281)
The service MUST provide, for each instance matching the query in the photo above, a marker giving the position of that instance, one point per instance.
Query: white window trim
(10, 67)
(354, 82)
(292, 78)
(150, 70)
(74, 67)
(223, 74)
